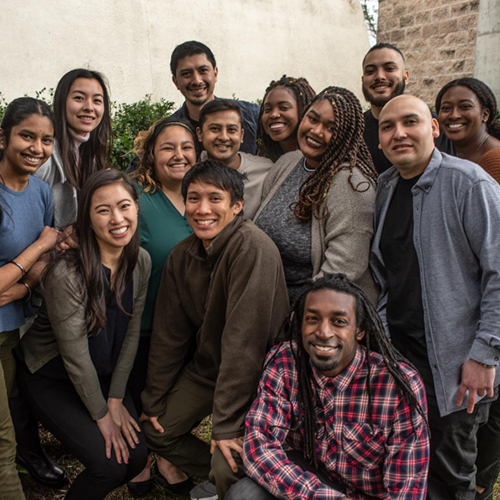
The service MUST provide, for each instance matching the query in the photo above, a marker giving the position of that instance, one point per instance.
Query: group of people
(320, 280)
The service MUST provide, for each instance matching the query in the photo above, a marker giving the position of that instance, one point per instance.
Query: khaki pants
(10, 485)
(188, 403)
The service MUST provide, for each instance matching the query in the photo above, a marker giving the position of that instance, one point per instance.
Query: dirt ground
(72, 467)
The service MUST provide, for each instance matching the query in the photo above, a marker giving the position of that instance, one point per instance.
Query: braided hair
(303, 93)
(347, 149)
(486, 99)
(374, 340)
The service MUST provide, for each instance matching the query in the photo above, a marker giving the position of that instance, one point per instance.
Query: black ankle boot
(41, 468)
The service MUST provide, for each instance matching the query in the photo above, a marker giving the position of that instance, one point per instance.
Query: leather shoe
(41, 468)
(182, 488)
(139, 488)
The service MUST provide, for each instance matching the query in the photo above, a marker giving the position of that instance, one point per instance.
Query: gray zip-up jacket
(456, 234)
(63, 193)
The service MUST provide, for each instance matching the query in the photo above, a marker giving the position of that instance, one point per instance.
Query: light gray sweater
(341, 239)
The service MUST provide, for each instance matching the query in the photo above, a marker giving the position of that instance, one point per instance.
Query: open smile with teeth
(86, 119)
(325, 348)
(178, 165)
(119, 231)
(206, 222)
(312, 143)
(277, 126)
(455, 126)
(33, 160)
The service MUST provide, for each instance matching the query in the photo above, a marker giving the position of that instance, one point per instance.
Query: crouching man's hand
(154, 422)
(226, 445)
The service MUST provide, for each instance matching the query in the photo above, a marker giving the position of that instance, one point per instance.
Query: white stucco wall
(487, 67)
(130, 41)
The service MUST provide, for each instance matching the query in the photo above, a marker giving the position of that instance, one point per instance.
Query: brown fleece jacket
(230, 299)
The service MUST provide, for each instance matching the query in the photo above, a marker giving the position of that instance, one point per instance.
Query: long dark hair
(144, 145)
(347, 149)
(374, 340)
(91, 155)
(17, 111)
(303, 93)
(86, 260)
(485, 97)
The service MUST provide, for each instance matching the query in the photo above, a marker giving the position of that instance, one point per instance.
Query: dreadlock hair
(347, 149)
(374, 340)
(303, 93)
(484, 95)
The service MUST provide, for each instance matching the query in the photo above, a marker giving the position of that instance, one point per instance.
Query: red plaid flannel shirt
(390, 463)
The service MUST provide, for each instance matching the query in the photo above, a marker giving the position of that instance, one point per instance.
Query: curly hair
(144, 145)
(347, 149)
(303, 93)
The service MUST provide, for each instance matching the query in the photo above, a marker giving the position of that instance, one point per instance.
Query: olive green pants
(188, 403)
(10, 485)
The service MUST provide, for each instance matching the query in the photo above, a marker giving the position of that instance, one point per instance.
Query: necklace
(483, 140)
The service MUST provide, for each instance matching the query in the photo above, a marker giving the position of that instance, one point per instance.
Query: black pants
(452, 469)
(59, 408)
(139, 372)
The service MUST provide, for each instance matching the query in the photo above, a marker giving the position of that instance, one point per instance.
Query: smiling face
(315, 131)
(209, 210)
(329, 332)
(84, 105)
(29, 145)
(113, 217)
(461, 115)
(406, 133)
(222, 135)
(280, 115)
(174, 154)
(384, 76)
(195, 78)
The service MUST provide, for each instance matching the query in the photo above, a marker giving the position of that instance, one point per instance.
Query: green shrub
(127, 121)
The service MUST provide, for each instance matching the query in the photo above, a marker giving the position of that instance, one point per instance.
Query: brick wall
(437, 37)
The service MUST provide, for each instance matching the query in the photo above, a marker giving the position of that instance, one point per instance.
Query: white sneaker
(204, 491)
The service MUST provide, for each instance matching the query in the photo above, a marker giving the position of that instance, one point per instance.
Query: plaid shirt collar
(344, 379)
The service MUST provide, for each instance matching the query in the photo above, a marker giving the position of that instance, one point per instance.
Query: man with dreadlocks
(339, 414)
(435, 255)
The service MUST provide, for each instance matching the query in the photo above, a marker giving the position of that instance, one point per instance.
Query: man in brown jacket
(221, 302)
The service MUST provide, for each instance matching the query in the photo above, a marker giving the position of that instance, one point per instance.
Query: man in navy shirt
(194, 73)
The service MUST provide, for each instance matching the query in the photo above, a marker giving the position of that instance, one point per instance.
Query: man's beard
(381, 101)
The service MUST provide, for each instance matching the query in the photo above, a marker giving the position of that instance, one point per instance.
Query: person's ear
(2, 139)
(360, 334)
(237, 207)
(406, 76)
(175, 82)
(199, 134)
(242, 135)
(485, 115)
(435, 128)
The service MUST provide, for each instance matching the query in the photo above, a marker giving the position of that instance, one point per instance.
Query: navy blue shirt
(250, 121)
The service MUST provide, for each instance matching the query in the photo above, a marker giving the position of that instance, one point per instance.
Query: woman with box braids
(317, 203)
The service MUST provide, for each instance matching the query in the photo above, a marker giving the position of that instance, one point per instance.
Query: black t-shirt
(379, 159)
(405, 314)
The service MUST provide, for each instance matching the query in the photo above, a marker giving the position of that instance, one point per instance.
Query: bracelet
(27, 297)
(19, 266)
(484, 365)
